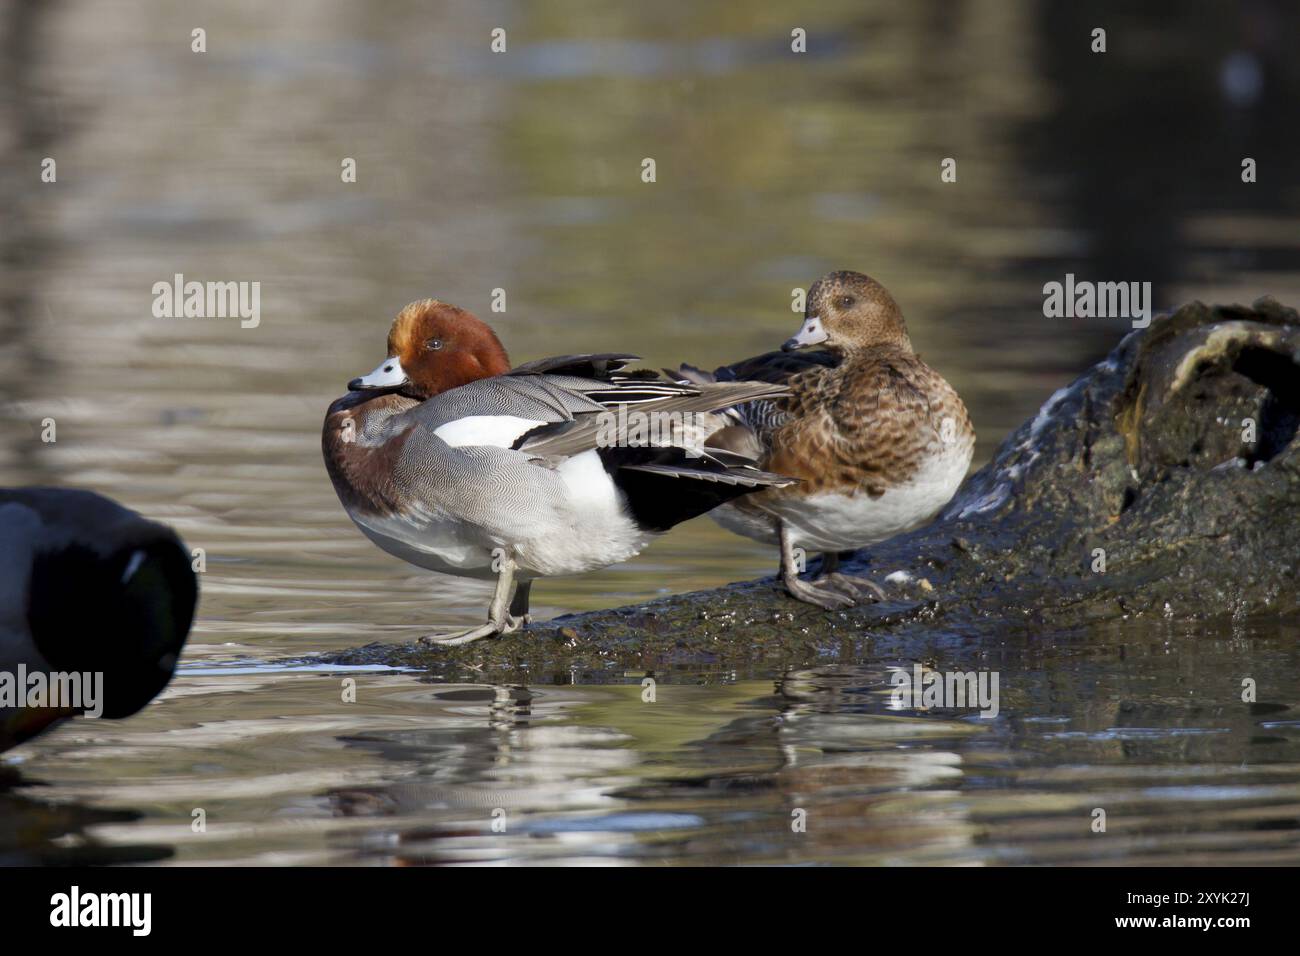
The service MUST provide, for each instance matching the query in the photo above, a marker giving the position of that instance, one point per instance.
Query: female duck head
(433, 347)
(847, 311)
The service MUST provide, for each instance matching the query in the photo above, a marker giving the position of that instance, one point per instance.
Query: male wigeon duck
(448, 458)
(86, 587)
(879, 441)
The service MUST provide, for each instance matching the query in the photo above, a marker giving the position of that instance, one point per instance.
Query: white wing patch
(499, 430)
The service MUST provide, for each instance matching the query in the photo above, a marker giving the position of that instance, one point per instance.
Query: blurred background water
(521, 171)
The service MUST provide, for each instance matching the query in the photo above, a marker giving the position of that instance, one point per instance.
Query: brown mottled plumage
(879, 441)
(865, 424)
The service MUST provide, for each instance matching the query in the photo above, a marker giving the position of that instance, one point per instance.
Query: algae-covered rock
(1165, 481)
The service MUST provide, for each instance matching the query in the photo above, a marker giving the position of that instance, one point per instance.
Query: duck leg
(519, 604)
(500, 619)
(825, 598)
(858, 588)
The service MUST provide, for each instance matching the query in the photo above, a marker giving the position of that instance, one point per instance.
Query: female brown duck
(879, 441)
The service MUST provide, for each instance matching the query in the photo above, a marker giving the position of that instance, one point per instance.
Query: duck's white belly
(845, 522)
(840, 522)
(581, 525)
(438, 543)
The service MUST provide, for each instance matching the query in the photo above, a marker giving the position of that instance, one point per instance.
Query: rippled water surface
(717, 769)
(522, 172)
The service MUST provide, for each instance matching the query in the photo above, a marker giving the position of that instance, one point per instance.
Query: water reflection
(728, 776)
(37, 832)
(816, 765)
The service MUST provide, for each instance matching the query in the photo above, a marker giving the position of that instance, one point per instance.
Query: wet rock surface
(1163, 483)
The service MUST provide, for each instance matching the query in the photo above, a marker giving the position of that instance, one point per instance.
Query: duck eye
(433, 344)
(846, 301)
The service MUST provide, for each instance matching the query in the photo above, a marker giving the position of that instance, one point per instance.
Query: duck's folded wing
(614, 429)
(545, 421)
(555, 416)
(587, 365)
(738, 476)
(775, 367)
(498, 411)
(749, 426)
(604, 377)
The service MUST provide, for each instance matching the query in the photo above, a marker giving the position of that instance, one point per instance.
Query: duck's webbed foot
(508, 625)
(830, 590)
(826, 598)
(500, 620)
(856, 588)
(519, 604)
(815, 593)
